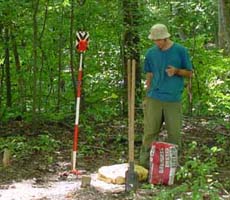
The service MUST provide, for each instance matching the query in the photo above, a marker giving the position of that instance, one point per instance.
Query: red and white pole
(81, 47)
(76, 127)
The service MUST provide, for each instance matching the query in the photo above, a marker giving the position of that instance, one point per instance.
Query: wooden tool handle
(129, 74)
(131, 106)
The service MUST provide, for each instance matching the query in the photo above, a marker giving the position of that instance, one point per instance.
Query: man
(166, 65)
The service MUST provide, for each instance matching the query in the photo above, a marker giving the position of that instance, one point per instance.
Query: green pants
(155, 113)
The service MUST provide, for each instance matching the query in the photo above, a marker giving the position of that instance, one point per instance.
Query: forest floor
(35, 177)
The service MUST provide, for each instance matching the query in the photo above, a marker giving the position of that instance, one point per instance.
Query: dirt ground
(44, 181)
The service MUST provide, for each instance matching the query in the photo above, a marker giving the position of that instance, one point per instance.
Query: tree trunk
(71, 46)
(130, 44)
(59, 72)
(7, 68)
(35, 5)
(40, 44)
(20, 81)
(1, 85)
(224, 28)
(61, 83)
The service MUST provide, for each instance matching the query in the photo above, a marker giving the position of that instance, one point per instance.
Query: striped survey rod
(81, 47)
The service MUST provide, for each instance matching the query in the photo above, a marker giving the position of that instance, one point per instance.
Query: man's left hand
(171, 71)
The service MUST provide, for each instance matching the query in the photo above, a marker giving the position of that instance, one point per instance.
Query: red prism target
(82, 41)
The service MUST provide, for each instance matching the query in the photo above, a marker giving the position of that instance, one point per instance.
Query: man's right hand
(147, 84)
(148, 81)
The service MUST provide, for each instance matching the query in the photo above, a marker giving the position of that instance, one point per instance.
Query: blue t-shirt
(164, 87)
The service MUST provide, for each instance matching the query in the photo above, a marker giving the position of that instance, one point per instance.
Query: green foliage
(216, 86)
(195, 178)
(14, 144)
(197, 172)
(44, 143)
(192, 23)
(173, 193)
(24, 147)
(211, 81)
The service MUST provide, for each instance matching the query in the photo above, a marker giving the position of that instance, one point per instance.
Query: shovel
(131, 177)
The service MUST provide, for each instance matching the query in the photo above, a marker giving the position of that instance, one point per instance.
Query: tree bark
(7, 68)
(35, 5)
(61, 83)
(20, 81)
(1, 84)
(130, 44)
(71, 46)
(224, 28)
(43, 55)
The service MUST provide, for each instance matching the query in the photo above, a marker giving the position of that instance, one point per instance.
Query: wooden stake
(6, 158)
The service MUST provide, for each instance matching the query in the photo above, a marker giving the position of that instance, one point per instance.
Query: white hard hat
(158, 31)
